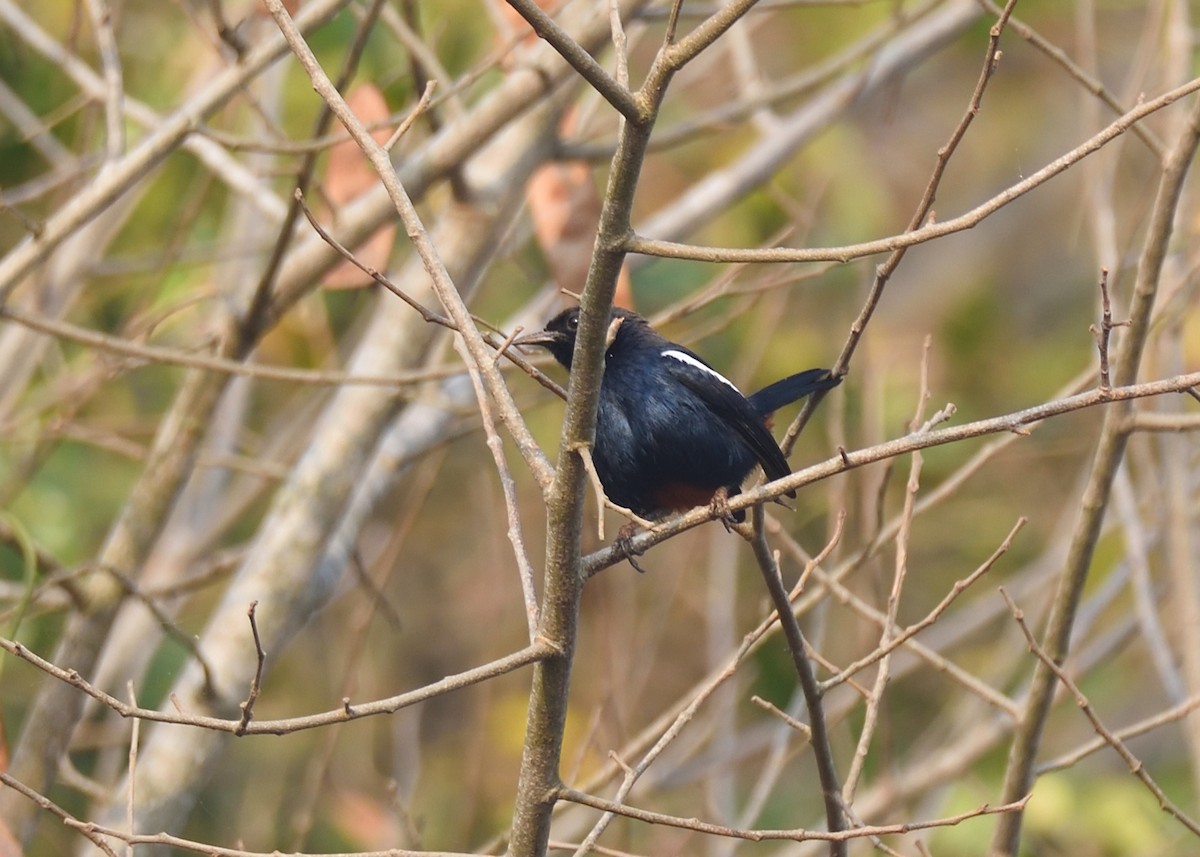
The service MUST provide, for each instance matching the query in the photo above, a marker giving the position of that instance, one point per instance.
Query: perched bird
(672, 432)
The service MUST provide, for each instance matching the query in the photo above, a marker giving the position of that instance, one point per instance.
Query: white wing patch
(692, 361)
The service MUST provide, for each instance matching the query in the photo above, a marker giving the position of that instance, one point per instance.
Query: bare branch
(347, 711)
(795, 835)
(845, 253)
(247, 707)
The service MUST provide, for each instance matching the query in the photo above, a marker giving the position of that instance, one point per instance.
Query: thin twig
(134, 736)
(671, 727)
(110, 62)
(838, 837)
(771, 708)
(247, 707)
(173, 357)
(347, 711)
(130, 587)
(87, 830)
(413, 115)
(1152, 421)
(1103, 331)
(495, 445)
(602, 502)
(899, 575)
(1171, 715)
(97, 834)
(1137, 557)
(427, 314)
(1089, 82)
(584, 451)
(903, 636)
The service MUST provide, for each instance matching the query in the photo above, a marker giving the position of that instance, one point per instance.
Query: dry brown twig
(1103, 331)
(1170, 715)
(348, 711)
(793, 835)
(602, 502)
(247, 707)
(156, 354)
(516, 538)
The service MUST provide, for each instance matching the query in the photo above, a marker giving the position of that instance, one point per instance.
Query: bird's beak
(544, 338)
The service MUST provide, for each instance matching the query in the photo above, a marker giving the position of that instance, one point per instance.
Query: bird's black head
(558, 337)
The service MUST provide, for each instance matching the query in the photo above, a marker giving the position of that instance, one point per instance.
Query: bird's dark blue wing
(729, 405)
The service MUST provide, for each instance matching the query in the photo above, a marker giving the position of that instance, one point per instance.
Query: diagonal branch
(831, 790)
(1019, 422)
(583, 62)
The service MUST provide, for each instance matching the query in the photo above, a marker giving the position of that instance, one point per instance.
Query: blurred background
(146, 499)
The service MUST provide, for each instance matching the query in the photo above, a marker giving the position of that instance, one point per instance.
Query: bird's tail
(791, 389)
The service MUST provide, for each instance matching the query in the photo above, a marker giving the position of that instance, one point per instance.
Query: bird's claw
(624, 543)
(719, 505)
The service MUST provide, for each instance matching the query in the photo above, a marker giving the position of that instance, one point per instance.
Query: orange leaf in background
(516, 23)
(565, 207)
(562, 197)
(9, 847)
(367, 821)
(349, 175)
(260, 9)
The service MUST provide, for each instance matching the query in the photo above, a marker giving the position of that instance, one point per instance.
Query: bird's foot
(624, 543)
(719, 505)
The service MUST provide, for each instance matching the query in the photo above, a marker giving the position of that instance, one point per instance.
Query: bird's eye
(573, 322)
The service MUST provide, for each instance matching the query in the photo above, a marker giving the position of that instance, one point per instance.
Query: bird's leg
(719, 504)
(624, 543)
